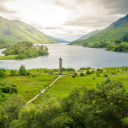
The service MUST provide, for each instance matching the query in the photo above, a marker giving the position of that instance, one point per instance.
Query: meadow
(65, 84)
(38, 79)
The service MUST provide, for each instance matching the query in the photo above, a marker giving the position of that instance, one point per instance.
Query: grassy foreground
(29, 86)
(65, 84)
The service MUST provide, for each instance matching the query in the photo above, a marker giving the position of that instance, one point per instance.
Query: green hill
(109, 35)
(113, 32)
(12, 32)
(86, 36)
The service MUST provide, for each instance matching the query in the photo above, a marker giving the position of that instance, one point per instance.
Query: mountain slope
(117, 23)
(58, 39)
(86, 36)
(89, 34)
(109, 35)
(11, 33)
(113, 32)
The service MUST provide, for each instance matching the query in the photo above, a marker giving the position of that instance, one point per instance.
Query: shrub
(105, 75)
(83, 68)
(99, 70)
(114, 73)
(73, 76)
(124, 68)
(68, 69)
(2, 73)
(8, 88)
(46, 70)
(13, 72)
(82, 74)
(92, 71)
(22, 70)
(88, 72)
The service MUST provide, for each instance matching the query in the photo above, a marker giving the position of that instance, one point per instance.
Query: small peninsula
(24, 50)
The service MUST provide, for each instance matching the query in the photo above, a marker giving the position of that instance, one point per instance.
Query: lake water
(73, 56)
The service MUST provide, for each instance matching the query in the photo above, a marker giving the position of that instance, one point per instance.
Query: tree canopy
(25, 50)
(103, 107)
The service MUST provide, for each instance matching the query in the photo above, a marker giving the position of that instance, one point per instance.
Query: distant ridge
(58, 39)
(12, 32)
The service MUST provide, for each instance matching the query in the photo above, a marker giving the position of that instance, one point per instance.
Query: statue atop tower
(60, 66)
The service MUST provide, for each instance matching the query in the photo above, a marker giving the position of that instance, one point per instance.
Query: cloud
(69, 19)
(113, 6)
(88, 15)
(3, 9)
(70, 5)
(96, 14)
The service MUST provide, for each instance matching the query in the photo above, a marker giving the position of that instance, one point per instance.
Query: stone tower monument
(60, 65)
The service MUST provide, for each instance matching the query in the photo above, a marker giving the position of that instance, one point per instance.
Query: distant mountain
(86, 36)
(89, 34)
(12, 32)
(58, 39)
(113, 32)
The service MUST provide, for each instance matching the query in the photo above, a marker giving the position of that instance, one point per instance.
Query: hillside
(86, 36)
(117, 23)
(115, 31)
(58, 39)
(109, 35)
(12, 32)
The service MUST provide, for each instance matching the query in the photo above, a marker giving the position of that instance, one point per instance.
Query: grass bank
(9, 57)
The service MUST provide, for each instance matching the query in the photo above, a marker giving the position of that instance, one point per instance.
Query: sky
(65, 19)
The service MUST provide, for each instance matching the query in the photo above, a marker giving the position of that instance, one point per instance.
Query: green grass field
(9, 57)
(29, 86)
(66, 83)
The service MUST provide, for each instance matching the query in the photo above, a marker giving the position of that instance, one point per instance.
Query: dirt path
(43, 90)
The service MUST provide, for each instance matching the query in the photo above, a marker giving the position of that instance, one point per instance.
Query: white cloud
(5, 10)
(63, 18)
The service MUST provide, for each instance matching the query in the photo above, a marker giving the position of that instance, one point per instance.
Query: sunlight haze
(62, 18)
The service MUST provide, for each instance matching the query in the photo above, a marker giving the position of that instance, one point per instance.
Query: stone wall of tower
(60, 65)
